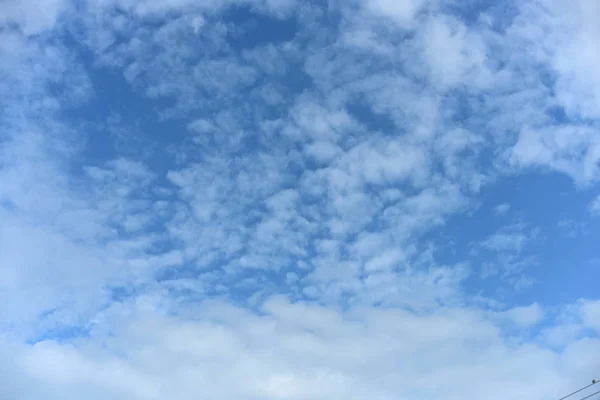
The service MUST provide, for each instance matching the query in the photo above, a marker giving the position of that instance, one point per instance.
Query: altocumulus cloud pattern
(297, 199)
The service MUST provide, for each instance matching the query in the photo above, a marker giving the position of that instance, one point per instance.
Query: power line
(582, 389)
(593, 394)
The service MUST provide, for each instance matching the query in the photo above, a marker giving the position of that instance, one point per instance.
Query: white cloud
(322, 151)
(59, 246)
(401, 12)
(511, 238)
(502, 209)
(595, 206)
(525, 316)
(453, 53)
(295, 351)
(573, 150)
(327, 168)
(201, 126)
(387, 260)
(576, 55)
(27, 99)
(505, 241)
(387, 162)
(576, 321)
(590, 313)
(557, 35)
(561, 335)
(508, 255)
(33, 17)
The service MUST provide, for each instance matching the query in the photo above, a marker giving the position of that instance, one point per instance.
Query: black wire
(583, 388)
(593, 394)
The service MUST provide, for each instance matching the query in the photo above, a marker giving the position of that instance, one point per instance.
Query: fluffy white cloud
(453, 53)
(33, 17)
(297, 351)
(525, 316)
(590, 312)
(573, 150)
(575, 55)
(401, 12)
(559, 37)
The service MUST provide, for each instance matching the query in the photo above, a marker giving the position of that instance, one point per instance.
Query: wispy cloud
(595, 206)
(502, 209)
(509, 239)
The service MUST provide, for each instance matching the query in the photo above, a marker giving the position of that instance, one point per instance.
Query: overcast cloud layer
(287, 199)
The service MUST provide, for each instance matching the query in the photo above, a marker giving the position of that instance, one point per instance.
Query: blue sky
(285, 199)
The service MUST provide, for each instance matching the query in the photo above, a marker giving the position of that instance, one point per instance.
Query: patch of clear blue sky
(565, 266)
